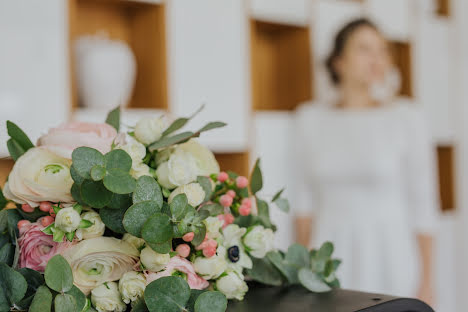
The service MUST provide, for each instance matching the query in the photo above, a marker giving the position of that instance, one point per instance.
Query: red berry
(225, 200)
(188, 237)
(23, 223)
(244, 210)
(212, 243)
(246, 202)
(45, 206)
(47, 220)
(231, 193)
(52, 212)
(209, 251)
(27, 208)
(242, 182)
(222, 176)
(228, 219)
(183, 250)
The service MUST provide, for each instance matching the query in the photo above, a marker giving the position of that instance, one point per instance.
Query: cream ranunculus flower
(259, 241)
(67, 219)
(213, 224)
(137, 242)
(132, 286)
(39, 175)
(106, 298)
(95, 230)
(232, 285)
(150, 129)
(152, 260)
(194, 192)
(205, 159)
(98, 260)
(213, 267)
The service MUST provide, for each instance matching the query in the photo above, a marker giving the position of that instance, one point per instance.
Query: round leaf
(80, 298)
(264, 272)
(206, 185)
(147, 189)
(167, 294)
(158, 229)
(118, 159)
(298, 255)
(312, 281)
(13, 287)
(120, 201)
(98, 173)
(119, 181)
(200, 233)
(137, 215)
(178, 205)
(112, 218)
(58, 274)
(75, 175)
(211, 301)
(84, 159)
(95, 194)
(163, 248)
(64, 303)
(76, 193)
(42, 301)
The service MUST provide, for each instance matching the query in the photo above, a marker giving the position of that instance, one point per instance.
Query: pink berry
(183, 250)
(225, 200)
(211, 243)
(52, 212)
(27, 208)
(228, 219)
(242, 182)
(231, 193)
(188, 237)
(23, 223)
(222, 176)
(47, 220)
(244, 210)
(209, 251)
(45, 206)
(246, 202)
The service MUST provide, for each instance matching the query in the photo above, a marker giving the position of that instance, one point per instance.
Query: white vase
(105, 70)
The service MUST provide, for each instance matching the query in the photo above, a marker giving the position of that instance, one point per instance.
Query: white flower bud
(95, 230)
(67, 219)
(194, 192)
(152, 260)
(132, 286)
(232, 285)
(150, 129)
(106, 298)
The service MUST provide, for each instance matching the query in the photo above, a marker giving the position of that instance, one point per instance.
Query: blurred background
(252, 62)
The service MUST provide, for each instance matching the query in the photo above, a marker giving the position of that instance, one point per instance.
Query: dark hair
(339, 44)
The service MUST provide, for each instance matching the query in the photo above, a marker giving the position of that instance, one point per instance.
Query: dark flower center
(233, 253)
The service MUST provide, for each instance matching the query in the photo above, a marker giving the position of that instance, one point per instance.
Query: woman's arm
(303, 227)
(426, 291)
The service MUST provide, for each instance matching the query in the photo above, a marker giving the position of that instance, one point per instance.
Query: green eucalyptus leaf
(167, 294)
(282, 204)
(76, 193)
(98, 173)
(264, 213)
(147, 189)
(112, 218)
(212, 125)
(118, 159)
(288, 270)
(64, 303)
(13, 287)
(206, 185)
(136, 216)
(211, 301)
(256, 179)
(264, 272)
(42, 301)
(113, 118)
(325, 251)
(33, 278)
(14, 217)
(19, 136)
(3, 220)
(76, 176)
(157, 229)
(214, 209)
(277, 195)
(120, 201)
(84, 159)
(95, 194)
(79, 297)
(3, 200)
(312, 281)
(298, 255)
(139, 306)
(180, 122)
(162, 248)
(15, 149)
(179, 206)
(7, 253)
(58, 274)
(200, 233)
(194, 294)
(171, 140)
(119, 181)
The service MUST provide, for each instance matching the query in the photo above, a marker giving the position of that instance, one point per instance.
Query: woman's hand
(303, 227)
(426, 289)
(426, 293)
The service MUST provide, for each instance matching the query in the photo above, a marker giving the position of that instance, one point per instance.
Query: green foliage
(84, 159)
(64, 303)
(34, 280)
(119, 181)
(312, 281)
(180, 122)
(157, 229)
(162, 248)
(3, 201)
(147, 189)
(113, 118)
(118, 159)
(95, 194)
(15, 149)
(211, 301)
(178, 207)
(112, 218)
(264, 272)
(42, 301)
(80, 298)
(136, 216)
(212, 209)
(205, 183)
(256, 178)
(19, 143)
(58, 274)
(13, 287)
(98, 173)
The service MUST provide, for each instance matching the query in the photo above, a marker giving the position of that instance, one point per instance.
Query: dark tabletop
(296, 298)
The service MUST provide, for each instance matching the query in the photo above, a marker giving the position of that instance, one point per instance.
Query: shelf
(141, 24)
(281, 65)
(446, 168)
(5, 167)
(443, 8)
(401, 52)
(237, 162)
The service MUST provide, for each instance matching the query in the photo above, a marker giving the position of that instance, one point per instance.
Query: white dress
(369, 179)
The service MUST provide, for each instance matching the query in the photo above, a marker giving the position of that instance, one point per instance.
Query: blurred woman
(367, 172)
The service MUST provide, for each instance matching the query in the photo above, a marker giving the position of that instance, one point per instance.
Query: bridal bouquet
(96, 220)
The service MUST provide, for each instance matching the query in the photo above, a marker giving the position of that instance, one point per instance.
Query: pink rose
(66, 137)
(182, 265)
(36, 247)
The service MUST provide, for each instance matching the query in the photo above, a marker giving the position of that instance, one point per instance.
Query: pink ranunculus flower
(68, 136)
(36, 247)
(182, 265)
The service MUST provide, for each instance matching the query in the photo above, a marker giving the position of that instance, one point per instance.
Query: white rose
(136, 242)
(194, 192)
(180, 169)
(211, 268)
(106, 298)
(132, 286)
(204, 158)
(39, 175)
(134, 149)
(150, 129)
(152, 260)
(259, 241)
(140, 170)
(95, 230)
(232, 285)
(213, 224)
(67, 219)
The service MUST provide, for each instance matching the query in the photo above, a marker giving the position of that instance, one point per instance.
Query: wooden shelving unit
(237, 162)
(401, 52)
(281, 65)
(444, 8)
(142, 26)
(5, 167)
(446, 166)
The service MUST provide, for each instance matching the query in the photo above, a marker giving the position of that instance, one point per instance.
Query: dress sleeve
(302, 201)
(422, 184)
